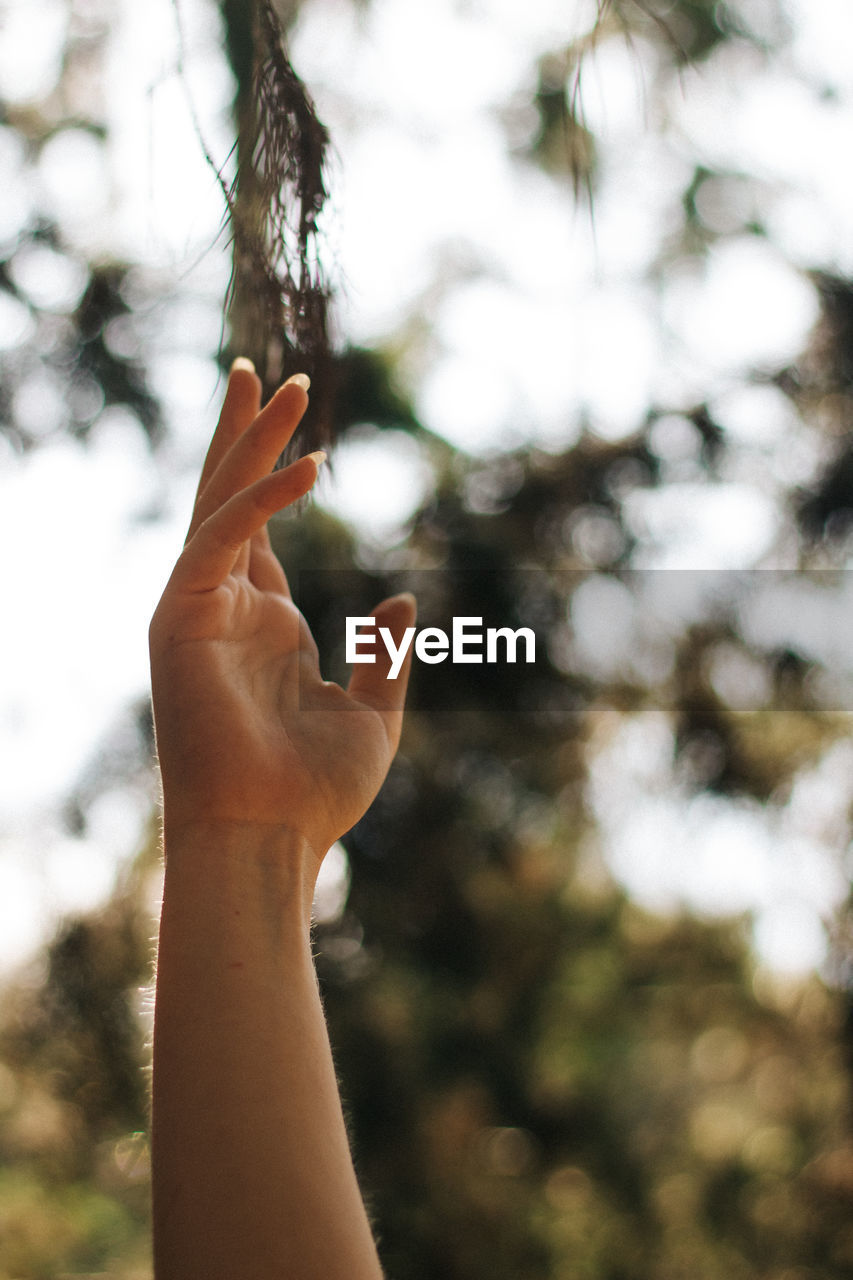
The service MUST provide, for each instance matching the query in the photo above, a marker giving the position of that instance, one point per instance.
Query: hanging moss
(278, 299)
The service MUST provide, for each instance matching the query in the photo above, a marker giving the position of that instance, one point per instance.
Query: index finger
(211, 553)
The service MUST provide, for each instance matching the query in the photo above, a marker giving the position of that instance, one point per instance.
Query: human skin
(264, 765)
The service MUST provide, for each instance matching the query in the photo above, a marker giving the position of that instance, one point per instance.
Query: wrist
(254, 869)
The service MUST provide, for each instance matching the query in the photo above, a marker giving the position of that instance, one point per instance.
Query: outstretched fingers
(251, 453)
(215, 546)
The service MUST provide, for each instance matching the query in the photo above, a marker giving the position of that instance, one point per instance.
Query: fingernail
(301, 379)
(242, 362)
(408, 597)
(318, 457)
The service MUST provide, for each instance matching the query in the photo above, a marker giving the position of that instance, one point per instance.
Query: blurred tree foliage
(544, 1081)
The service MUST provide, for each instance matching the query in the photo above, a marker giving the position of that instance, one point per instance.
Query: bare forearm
(252, 1171)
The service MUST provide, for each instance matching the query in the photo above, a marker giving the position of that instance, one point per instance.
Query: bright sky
(562, 321)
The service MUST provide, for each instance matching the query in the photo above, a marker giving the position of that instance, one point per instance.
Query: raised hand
(248, 732)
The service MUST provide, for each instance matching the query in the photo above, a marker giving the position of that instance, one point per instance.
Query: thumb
(371, 683)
